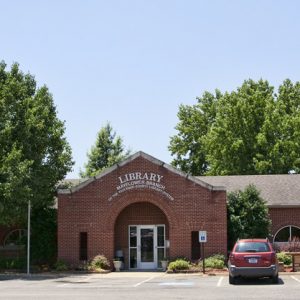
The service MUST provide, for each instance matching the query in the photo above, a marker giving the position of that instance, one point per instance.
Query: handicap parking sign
(202, 237)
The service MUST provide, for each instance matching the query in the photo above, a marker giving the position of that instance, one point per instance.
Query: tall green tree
(247, 215)
(188, 146)
(279, 139)
(34, 154)
(248, 131)
(231, 143)
(107, 151)
(44, 236)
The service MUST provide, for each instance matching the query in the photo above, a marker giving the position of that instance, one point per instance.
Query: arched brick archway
(139, 209)
(137, 216)
(131, 197)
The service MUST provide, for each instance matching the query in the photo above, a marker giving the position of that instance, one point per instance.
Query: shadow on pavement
(38, 277)
(260, 281)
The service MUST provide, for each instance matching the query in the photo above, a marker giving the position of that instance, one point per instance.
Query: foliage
(179, 264)
(107, 151)
(278, 142)
(285, 258)
(98, 263)
(61, 266)
(216, 261)
(194, 124)
(249, 131)
(13, 263)
(34, 154)
(293, 245)
(247, 215)
(180, 258)
(43, 236)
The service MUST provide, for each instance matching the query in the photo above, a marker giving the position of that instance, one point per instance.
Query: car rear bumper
(253, 271)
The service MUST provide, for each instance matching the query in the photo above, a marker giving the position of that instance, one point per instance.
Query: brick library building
(143, 210)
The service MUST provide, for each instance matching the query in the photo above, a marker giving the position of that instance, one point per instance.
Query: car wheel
(275, 279)
(231, 279)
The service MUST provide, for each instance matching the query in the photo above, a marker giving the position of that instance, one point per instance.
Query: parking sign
(202, 237)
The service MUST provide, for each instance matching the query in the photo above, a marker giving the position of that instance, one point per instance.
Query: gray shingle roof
(277, 190)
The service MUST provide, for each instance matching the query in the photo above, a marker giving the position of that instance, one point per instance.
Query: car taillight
(269, 259)
(273, 258)
(232, 259)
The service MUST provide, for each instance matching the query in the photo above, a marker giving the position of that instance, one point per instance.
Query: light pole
(28, 238)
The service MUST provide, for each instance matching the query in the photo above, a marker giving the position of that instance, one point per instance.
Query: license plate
(252, 260)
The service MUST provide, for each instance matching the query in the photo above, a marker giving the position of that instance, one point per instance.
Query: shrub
(292, 245)
(284, 257)
(216, 261)
(43, 236)
(179, 264)
(60, 266)
(99, 262)
(12, 263)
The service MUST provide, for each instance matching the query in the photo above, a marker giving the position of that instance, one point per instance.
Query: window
(196, 254)
(83, 242)
(133, 247)
(161, 251)
(16, 237)
(252, 247)
(287, 234)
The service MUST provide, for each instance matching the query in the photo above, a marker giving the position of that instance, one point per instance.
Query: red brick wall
(194, 208)
(284, 216)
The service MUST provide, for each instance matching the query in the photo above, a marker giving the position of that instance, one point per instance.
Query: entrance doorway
(146, 246)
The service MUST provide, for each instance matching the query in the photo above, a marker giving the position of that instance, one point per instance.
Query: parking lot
(146, 285)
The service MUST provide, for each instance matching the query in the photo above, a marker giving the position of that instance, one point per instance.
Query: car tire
(275, 279)
(231, 279)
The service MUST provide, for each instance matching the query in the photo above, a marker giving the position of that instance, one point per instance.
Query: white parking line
(295, 278)
(85, 279)
(220, 281)
(186, 283)
(138, 284)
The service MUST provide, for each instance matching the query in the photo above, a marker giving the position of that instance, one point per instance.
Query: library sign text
(142, 181)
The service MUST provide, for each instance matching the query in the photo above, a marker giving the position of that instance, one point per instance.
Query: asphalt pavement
(144, 285)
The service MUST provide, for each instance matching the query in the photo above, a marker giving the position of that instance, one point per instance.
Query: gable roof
(277, 190)
(130, 159)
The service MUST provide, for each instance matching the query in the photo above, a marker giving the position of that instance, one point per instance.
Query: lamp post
(28, 238)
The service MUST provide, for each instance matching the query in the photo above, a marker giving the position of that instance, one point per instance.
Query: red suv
(253, 258)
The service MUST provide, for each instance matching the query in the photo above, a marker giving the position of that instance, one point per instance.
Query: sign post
(202, 240)
(28, 239)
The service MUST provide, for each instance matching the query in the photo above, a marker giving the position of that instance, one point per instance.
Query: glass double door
(146, 246)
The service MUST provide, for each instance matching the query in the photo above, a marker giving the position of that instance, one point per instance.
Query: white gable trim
(149, 158)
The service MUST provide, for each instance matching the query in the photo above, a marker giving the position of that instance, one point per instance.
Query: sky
(132, 63)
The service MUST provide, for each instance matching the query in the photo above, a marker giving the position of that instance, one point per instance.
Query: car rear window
(252, 247)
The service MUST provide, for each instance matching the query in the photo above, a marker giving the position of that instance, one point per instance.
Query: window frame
(290, 233)
(21, 233)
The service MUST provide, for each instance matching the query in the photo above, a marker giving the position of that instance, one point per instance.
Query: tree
(279, 139)
(247, 215)
(249, 131)
(34, 154)
(107, 151)
(43, 236)
(189, 144)
(231, 143)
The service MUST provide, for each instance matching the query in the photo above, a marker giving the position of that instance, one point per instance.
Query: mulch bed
(208, 271)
